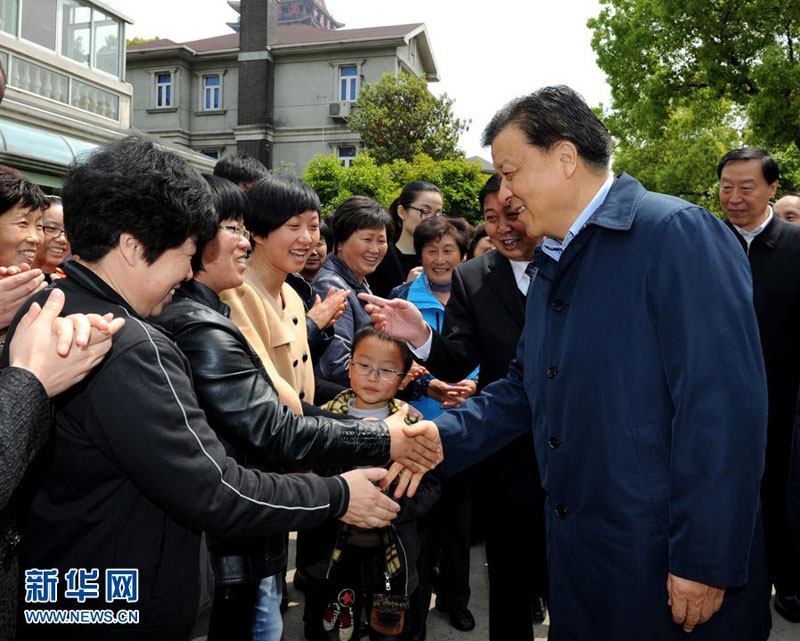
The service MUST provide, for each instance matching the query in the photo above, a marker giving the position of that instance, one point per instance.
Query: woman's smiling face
(288, 247)
(439, 258)
(20, 235)
(364, 250)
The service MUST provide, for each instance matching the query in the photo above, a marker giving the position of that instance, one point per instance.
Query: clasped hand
(60, 351)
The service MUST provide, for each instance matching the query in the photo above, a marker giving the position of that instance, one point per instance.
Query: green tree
(399, 118)
(459, 180)
(138, 40)
(690, 79)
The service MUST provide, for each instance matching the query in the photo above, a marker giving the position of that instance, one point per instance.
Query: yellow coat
(278, 337)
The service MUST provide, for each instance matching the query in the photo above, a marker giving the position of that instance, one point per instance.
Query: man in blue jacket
(640, 373)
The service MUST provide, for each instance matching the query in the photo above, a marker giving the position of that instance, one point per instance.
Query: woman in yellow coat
(284, 222)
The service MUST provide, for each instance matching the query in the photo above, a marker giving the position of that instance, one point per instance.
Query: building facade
(66, 90)
(189, 93)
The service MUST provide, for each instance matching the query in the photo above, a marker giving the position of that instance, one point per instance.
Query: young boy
(351, 569)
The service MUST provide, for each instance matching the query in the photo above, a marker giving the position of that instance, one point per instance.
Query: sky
(487, 52)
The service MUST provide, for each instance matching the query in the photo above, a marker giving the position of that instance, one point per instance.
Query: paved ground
(439, 628)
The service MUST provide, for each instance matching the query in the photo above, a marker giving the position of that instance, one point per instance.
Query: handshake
(415, 450)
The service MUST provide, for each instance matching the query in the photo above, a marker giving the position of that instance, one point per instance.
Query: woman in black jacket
(244, 409)
(43, 361)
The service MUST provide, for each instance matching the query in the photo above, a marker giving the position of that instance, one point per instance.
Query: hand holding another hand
(60, 351)
(368, 506)
(458, 393)
(416, 447)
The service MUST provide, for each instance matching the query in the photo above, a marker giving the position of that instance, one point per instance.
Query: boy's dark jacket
(316, 554)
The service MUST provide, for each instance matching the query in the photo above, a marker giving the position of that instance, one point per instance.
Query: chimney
(258, 29)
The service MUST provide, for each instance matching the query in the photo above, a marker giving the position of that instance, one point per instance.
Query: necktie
(530, 271)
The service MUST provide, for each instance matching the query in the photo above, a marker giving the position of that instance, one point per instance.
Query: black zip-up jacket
(316, 556)
(134, 473)
(243, 408)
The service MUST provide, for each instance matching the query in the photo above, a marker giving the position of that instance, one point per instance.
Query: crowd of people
(599, 382)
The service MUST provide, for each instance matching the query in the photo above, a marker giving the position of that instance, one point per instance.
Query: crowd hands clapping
(355, 396)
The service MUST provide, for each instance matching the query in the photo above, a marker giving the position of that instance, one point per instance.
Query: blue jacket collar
(619, 208)
(422, 297)
(339, 267)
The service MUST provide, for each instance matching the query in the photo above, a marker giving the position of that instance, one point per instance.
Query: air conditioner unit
(339, 110)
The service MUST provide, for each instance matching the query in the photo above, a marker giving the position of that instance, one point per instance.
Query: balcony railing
(48, 83)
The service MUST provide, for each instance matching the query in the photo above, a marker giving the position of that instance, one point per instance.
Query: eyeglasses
(425, 212)
(235, 229)
(385, 373)
(53, 232)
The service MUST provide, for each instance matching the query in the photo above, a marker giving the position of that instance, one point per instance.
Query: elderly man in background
(748, 179)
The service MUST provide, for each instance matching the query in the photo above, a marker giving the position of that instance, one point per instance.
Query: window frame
(337, 78)
(346, 161)
(59, 37)
(348, 85)
(174, 93)
(201, 77)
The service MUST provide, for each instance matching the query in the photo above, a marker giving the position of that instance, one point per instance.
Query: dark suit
(775, 263)
(483, 322)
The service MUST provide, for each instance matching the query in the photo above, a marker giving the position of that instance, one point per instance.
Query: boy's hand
(417, 447)
(368, 506)
(407, 482)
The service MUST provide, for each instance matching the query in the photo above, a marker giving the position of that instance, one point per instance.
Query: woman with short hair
(21, 207)
(283, 219)
(55, 248)
(441, 246)
(361, 231)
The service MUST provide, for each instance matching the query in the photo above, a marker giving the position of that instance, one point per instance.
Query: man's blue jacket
(640, 372)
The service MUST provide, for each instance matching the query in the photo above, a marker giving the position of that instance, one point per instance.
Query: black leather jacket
(243, 407)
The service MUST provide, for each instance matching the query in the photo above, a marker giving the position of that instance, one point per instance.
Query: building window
(348, 83)
(106, 39)
(212, 92)
(76, 25)
(69, 27)
(212, 154)
(39, 18)
(9, 16)
(164, 89)
(346, 155)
